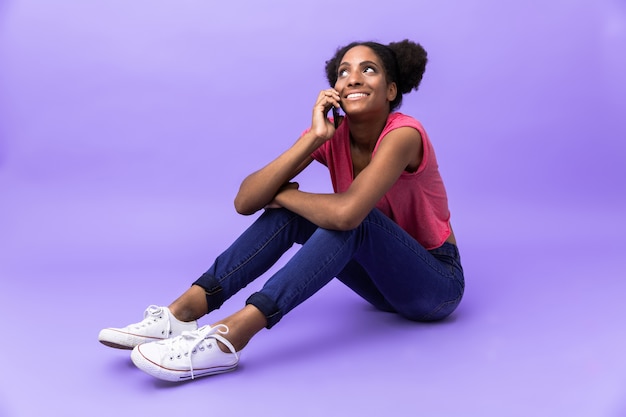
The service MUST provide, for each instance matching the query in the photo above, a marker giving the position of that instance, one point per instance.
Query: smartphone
(336, 116)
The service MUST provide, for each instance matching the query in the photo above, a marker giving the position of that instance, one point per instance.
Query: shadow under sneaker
(158, 324)
(188, 356)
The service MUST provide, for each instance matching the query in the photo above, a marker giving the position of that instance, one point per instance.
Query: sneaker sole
(174, 375)
(121, 340)
(115, 345)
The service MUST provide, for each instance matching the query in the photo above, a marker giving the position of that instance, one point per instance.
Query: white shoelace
(151, 315)
(188, 342)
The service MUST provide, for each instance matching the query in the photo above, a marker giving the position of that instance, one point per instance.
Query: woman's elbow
(347, 219)
(243, 207)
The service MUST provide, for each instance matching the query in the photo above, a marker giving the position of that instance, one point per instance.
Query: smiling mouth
(353, 96)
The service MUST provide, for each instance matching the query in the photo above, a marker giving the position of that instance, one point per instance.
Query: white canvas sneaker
(158, 324)
(188, 356)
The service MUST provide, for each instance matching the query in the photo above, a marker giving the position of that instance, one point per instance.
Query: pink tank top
(417, 202)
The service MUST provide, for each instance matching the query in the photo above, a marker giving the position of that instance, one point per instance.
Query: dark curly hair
(404, 62)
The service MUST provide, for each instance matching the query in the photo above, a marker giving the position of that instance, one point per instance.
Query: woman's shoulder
(398, 119)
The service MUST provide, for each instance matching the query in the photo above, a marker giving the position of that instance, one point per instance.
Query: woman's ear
(392, 91)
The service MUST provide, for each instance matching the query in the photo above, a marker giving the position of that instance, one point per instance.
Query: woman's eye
(369, 69)
(343, 73)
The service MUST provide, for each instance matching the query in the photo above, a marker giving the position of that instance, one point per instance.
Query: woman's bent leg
(252, 254)
(402, 276)
(410, 280)
(258, 248)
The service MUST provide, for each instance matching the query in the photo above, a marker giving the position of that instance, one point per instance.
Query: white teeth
(356, 95)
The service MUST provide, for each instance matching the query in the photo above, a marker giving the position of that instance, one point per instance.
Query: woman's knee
(429, 313)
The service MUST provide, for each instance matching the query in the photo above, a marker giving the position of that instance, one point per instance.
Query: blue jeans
(378, 260)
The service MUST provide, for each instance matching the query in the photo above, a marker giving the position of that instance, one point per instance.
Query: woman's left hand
(289, 186)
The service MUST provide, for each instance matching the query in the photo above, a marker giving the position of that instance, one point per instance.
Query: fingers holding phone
(326, 100)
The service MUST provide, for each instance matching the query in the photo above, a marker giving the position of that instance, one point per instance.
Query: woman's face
(362, 83)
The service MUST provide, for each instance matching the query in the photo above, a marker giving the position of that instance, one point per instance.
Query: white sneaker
(158, 324)
(188, 356)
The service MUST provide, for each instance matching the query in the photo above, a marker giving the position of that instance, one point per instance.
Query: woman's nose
(354, 78)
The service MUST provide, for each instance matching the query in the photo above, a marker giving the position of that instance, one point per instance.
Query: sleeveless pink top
(417, 202)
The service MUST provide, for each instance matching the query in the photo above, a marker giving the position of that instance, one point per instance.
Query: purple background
(126, 127)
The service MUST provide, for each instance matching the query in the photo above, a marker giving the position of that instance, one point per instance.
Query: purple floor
(126, 127)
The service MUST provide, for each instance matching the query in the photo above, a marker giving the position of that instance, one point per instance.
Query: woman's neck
(365, 133)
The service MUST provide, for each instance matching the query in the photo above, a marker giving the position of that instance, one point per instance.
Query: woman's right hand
(321, 127)
(260, 188)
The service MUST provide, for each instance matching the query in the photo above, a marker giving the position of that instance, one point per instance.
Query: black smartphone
(336, 117)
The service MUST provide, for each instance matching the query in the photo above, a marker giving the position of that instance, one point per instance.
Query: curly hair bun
(411, 58)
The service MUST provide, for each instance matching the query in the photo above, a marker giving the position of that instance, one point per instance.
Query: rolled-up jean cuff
(267, 306)
(212, 289)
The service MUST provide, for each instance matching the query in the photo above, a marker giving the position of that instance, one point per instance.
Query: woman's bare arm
(260, 187)
(343, 211)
